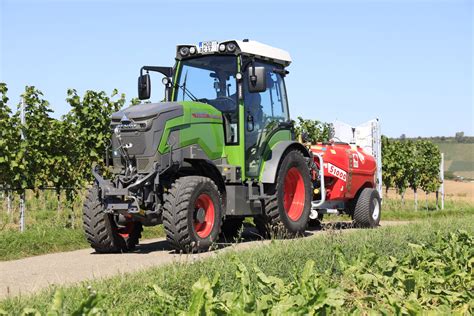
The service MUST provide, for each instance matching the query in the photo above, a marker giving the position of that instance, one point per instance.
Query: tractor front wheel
(367, 209)
(192, 214)
(102, 231)
(286, 213)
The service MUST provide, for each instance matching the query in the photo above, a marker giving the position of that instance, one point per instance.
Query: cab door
(266, 117)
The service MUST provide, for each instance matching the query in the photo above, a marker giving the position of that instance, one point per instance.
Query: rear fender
(278, 152)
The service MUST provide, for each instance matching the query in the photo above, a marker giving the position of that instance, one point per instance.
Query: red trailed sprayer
(347, 176)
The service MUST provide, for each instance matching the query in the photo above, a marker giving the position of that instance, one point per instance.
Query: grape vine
(59, 153)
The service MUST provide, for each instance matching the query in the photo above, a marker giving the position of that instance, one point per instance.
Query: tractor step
(256, 197)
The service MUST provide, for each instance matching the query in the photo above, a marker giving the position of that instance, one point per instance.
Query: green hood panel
(200, 124)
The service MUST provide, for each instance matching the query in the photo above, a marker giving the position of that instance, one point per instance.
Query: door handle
(250, 122)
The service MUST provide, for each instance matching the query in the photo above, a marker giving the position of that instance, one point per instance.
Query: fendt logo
(127, 123)
(206, 115)
(125, 119)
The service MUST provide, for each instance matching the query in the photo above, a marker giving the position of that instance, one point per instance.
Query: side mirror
(257, 80)
(144, 87)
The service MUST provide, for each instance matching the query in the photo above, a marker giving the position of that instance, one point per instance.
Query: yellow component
(333, 151)
(316, 191)
(316, 147)
(225, 169)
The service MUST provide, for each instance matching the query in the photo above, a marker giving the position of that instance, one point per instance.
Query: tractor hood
(142, 126)
(146, 111)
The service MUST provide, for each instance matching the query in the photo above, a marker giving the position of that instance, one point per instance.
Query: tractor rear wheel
(102, 231)
(192, 214)
(367, 209)
(286, 213)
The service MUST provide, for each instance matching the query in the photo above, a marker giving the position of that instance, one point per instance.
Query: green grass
(48, 232)
(48, 227)
(394, 210)
(457, 151)
(42, 240)
(461, 166)
(37, 241)
(133, 293)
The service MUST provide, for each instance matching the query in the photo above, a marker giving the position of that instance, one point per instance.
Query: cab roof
(247, 48)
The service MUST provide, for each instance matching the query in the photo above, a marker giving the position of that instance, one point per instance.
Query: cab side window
(263, 111)
(270, 105)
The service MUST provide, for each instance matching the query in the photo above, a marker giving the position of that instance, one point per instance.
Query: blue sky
(410, 63)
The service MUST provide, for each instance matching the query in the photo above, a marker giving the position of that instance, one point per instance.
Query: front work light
(231, 47)
(184, 51)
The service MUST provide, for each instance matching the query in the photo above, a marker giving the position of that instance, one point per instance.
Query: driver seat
(253, 106)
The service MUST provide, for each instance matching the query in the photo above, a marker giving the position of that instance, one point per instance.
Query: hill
(458, 154)
(458, 159)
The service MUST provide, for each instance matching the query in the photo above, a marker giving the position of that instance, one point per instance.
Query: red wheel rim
(127, 230)
(294, 194)
(204, 202)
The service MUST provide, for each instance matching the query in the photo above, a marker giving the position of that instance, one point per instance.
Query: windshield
(209, 79)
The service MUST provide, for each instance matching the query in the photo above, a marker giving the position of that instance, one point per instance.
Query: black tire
(231, 228)
(101, 230)
(179, 214)
(317, 222)
(367, 209)
(276, 220)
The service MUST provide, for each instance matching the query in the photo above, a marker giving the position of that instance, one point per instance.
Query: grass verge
(49, 231)
(41, 239)
(137, 292)
(393, 210)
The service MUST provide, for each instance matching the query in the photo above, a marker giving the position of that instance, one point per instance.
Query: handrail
(316, 204)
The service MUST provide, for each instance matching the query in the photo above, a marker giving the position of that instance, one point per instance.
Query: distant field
(454, 191)
(459, 158)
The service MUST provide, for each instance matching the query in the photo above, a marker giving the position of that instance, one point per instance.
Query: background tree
(459, 137)
(430, 161)
(89, 123)
(414, 164)
(37, 152)
(400, 155)
(388, 166)
(9, 145)
(312, 131)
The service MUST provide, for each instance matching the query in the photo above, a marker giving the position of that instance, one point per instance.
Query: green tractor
(219, 148)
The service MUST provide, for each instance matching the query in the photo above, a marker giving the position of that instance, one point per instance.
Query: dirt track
(29, 275)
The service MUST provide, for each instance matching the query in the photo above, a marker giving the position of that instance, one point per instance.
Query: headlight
(184, 51)
(221, 48)
(231, 47)
(192, 50)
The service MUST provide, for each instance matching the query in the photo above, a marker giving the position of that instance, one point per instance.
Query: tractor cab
(244, 81)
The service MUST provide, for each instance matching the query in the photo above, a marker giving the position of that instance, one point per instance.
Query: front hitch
(107, 188)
